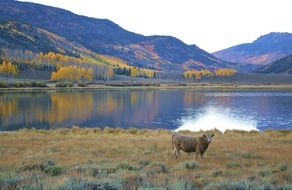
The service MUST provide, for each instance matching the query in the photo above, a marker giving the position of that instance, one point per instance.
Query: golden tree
(225, 72)
(7, 68)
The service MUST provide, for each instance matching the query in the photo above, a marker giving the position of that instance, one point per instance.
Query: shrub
(82, 84)
(182, 185)
(53, 170)
(190, 165)
(126, 166)
(4, 85)
(64, 84)
(38, 84)
(157, 168)
(216, 173)
(266, 187)
(283, 167)
(249, 155)
(230, 185)
(79, 184)
(144, 163)
(133, 131)
(102, 171)
(10, 182)
(285, 187)
(152, 188)
(22, 84)
(233, 165)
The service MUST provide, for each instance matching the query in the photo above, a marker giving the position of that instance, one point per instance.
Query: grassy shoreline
(94, 158)
(161, 86)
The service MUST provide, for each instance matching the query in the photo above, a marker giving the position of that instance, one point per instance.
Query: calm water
(170, 109)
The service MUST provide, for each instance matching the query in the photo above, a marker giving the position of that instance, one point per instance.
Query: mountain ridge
(283, 65)
(105, 37)
(265, 49)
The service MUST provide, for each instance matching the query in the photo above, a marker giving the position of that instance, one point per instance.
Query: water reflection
(170, 109)
(219, 119)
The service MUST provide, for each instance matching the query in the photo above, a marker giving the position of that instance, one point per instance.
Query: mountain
(18, 36)
(264, 50)
(283, 65)
(101, 36)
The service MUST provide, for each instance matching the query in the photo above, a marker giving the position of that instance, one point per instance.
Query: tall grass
(95, 158)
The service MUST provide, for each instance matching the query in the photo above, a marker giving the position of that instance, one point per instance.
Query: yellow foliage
(8, 68)
(88, 74)
(195, 74)
(133, 72)
(72, 73)
(225, 72)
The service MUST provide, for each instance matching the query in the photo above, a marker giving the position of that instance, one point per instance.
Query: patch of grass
(264, 173)
(190, 165)
(126, 166)
(230, 185)
(4, 84)
(283, 167)
(53, 170)
(182, 185)
(152, 188)
(144, 163)
(81, 184)
(64, 84)
(23, 84)
(102, 172)
(233, 165)
(157, 168)
(285, 187)
(249, 155)
(216, 173)
(82, 84)
(11, 182)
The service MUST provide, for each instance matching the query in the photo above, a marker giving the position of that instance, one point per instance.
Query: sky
(210, 24)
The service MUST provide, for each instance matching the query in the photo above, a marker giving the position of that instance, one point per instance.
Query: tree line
(199, 74)
(99, 66)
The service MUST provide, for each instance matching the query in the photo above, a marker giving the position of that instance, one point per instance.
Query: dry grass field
(140, 159)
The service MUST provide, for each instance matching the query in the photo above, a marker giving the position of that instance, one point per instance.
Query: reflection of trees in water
(107, 103)
(53, 108)
(69, 105)
(129, 106)
(191, 98)
(8, 107)
(147, 109)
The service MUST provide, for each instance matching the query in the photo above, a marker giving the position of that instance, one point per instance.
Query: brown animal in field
(191, 144)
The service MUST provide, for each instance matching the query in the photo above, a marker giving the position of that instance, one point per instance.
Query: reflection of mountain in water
(169, 109)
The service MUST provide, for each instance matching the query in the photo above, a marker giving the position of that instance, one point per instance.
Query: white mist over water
(222, 120)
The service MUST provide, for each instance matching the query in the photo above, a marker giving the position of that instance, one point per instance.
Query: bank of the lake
(52, 86)
(94, 158)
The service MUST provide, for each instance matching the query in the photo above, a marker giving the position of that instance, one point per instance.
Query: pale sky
(210, 24)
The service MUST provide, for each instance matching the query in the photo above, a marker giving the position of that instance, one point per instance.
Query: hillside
(25, 37)
(283, 65)
(264, 50)
(104, 37)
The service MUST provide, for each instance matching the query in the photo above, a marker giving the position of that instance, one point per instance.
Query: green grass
(28, 84)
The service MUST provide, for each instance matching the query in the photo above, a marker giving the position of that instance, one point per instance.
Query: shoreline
(118, 130)
(194, 86)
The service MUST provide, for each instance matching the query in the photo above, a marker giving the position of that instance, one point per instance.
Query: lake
(169, 109)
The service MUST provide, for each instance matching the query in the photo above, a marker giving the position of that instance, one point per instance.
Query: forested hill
(100, 36)
(283, 65)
